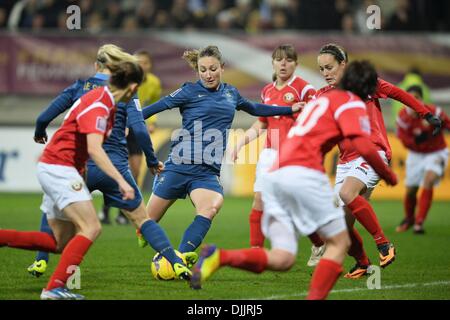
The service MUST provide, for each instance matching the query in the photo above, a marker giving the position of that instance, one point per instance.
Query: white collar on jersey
(292, 79)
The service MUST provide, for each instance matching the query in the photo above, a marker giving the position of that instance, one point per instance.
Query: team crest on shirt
(228, 95)
(161, 179)
(100, 124)
(288, 97)
(77, 185)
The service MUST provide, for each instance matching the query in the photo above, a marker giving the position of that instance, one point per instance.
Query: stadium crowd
(250, 15)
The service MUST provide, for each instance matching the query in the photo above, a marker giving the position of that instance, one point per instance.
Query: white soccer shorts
(265, 162)
(298, 201)
(360, 170)
(418, 163)
(62, 186)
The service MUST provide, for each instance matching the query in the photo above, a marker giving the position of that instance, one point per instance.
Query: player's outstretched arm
(411, 102)
(154, 108)
(404, 97)
(364, 146)
(265, 110)
(96, 152)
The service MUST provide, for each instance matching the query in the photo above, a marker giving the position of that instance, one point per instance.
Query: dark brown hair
(361, 78)
(336, 51)
(125, 73)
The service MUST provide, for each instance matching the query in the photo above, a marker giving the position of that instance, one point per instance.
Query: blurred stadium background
(40, 56)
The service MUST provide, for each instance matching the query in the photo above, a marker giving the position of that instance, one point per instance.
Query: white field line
(399, 286)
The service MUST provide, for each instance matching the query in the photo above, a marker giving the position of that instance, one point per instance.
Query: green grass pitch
(115, 268)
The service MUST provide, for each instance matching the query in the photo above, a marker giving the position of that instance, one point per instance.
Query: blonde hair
(192, 56)
(110, 54)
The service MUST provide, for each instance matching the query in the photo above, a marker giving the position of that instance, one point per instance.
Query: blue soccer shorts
(98, 180)
(174, 185)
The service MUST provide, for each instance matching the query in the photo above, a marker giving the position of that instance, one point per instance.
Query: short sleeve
(93, 119)
(352, 119)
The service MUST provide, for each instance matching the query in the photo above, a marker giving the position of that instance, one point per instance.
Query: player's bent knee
(281, 260)
(93, 232)
(347, 195)
(211, 212)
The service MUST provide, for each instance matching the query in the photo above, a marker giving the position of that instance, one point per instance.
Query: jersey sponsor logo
(288, 97)
(137, 103)
(77, 185)
(201, 95)
(101, 124)
(160, 179)
(364, 123)
(173, 94)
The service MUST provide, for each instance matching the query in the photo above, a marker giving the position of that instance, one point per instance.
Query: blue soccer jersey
(207, 116)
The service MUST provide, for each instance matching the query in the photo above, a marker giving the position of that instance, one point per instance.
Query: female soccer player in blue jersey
(127, 115)
(193, 167)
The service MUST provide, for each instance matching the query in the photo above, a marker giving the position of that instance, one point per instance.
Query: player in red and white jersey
(92, 113)
(286, 89)
(66, 199)
(355, 179)
(426, 161)
(297, 195)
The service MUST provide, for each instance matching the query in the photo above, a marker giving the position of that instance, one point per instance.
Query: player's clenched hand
(126, 190)
(298, 106)
(157, 169)
(41, 139)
